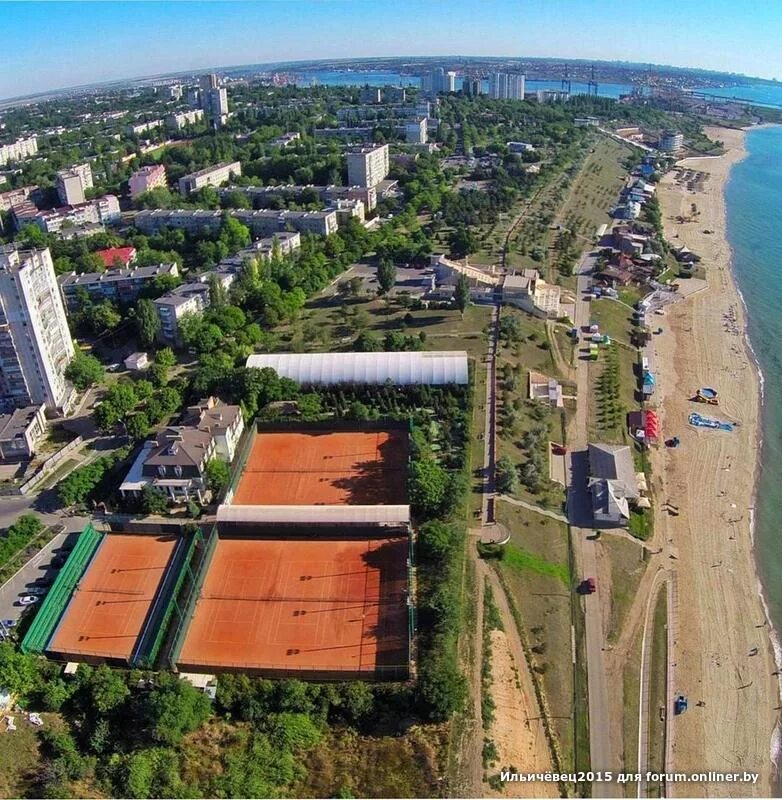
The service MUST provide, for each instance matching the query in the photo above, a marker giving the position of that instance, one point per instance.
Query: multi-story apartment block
(101, 210)
(146, 179)
(190, 298)
(121, 286)
(671, 141)
(260, 223)
(17, 197)
(35, 343)
(261, 195)
(214, 100)
(181, 119)
(507, 86)
(416, 131)
(72, 183)
(210, 176)
(287, 139)
(137, 128)
(367, 166)
(18, 150)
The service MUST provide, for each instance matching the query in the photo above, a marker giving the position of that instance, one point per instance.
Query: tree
(153, 500)
(19, 672)
(84, 371)
(147, 322)
(108, 689)
(461, 294)
(436, 539)
(428, 487)
(386, 276)
(173, 708)
(137, 425)
(462, 242)
(165, 357)
(507, 476)
(217, 475)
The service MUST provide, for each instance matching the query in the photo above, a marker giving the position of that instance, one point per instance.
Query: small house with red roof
(121, 257)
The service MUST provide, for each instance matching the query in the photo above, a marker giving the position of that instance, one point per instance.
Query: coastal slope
(723, 656)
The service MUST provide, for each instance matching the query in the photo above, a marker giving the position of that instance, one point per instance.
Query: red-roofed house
(117, 256)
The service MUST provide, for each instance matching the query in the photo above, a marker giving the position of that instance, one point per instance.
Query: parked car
(39, 591)
(587, 586)
(29, 600)
(9, 623)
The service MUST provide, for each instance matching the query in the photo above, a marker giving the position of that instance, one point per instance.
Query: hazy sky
(48, 45)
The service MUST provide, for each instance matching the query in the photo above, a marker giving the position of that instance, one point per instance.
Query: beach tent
(651, 426)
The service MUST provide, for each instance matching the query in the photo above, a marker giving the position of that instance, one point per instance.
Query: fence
(160, 614)
(48, 465)
(59, 595)
(184, 610)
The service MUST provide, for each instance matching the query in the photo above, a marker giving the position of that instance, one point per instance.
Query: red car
(588, 586)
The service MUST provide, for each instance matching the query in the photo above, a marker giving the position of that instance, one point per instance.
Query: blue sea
(383, 78)
(754, 208)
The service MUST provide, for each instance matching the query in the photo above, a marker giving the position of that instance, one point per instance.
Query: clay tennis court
(325, 468)
(315, 608)
(106, 613)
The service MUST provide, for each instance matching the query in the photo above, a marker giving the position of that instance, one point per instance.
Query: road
(585, 550)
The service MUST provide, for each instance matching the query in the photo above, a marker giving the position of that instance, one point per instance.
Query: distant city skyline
(56, 45)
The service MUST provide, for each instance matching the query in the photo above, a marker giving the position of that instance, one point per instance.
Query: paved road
(579, 512)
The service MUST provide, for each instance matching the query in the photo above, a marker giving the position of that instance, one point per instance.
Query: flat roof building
(122, 286)
(146, 179)
(367, 166)
(210, 176)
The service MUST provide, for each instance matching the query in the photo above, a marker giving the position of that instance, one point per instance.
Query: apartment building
(416, 131)
(260, 195)
(17, 197)
(35, 343)
(507, 86)
(175, 461)
(190, 298)
(72, 183)
(287, 139)
(260, 223)
(210, 176)
(18, 150)
(146, 179)
(137, 128)
(671, 141)
(121, 286)
(101, 210)
(181, 119)
(214, 100)
(367, 166)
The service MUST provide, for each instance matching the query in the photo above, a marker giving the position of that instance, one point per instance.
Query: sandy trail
(711, 478)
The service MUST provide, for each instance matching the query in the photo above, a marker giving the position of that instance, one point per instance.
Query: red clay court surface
(106, 613)
(302, 606)
(325, 468)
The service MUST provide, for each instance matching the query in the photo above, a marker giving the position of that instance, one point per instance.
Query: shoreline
(719, 575)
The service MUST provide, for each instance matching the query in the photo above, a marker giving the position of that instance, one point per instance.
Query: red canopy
(651, 425)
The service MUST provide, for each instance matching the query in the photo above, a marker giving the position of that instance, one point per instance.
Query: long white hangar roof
(400, 368)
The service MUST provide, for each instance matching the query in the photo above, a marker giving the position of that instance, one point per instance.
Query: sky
(52, 45)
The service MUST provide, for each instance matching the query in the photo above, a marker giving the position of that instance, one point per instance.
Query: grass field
(631, 685)
(537, 572)
(657, 691)
(627, 569)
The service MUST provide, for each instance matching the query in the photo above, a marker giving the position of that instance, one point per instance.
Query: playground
(320, 467)
(327, 608)
(106, 615)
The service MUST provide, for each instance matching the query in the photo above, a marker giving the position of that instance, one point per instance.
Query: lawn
(627, 569)
(536, 571)
(658, 692)
(631, 686)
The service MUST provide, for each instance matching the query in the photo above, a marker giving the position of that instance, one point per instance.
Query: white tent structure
(315, 515)
(400, 368)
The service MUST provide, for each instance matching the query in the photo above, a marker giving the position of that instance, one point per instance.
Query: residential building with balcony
(122, 286)
(146, 179)
(210, 176)
(367, 166)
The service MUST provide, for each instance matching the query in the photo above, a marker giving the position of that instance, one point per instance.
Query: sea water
(754, 218)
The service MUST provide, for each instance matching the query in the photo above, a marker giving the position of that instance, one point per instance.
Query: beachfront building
(613, 485)
(367, 166)
(671, 141)
(35, 343)
(210, 176)
(147, 178)
(529, 291)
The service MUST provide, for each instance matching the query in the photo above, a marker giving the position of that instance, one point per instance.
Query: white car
(29, 600)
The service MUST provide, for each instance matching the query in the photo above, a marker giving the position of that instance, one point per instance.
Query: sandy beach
(724, 659)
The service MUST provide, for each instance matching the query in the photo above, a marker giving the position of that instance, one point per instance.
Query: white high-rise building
(73, 182)
(367, 166)
(18, 150)
(507, 86)
(35, 343)
(214, 100)
(450, 82)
